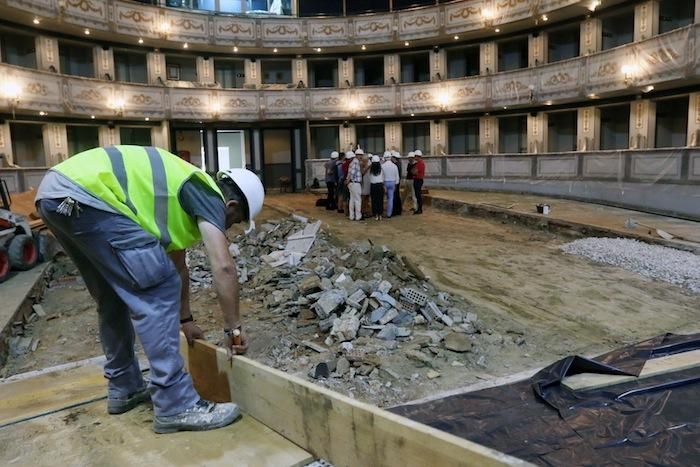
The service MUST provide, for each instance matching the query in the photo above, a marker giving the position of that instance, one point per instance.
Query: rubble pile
(358, 303)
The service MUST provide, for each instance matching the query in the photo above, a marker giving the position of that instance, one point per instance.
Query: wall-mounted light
(117, 104)
(630, 72)
(12, 91)
(594, 4)
(216, 109)
(443, 99)
(353, 106)
(164, 29)
(488, 15)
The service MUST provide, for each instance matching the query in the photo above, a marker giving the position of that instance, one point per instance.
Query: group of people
(358, 184)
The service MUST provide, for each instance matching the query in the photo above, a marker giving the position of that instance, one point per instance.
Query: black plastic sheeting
(653, 421)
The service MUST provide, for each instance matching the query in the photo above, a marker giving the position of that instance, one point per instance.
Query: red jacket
(419, 170)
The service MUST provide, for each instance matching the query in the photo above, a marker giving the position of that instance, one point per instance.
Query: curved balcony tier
(125, 21)
(662, 62)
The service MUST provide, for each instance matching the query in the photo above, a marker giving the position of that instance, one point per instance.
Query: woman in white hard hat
(331, 167)
(409, 181)
(119, 228)
(376, 178)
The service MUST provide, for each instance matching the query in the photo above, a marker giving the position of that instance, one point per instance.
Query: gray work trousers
(136, 287)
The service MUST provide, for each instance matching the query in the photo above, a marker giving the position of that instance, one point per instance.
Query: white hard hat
(418, 152)
(387, 154)
(375, 158)
(334, 155)
(396, 154)
(251, 188)
(359, 151)
(411, 155)
(349, 155)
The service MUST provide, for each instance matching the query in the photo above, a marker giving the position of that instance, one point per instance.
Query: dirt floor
(537, 304)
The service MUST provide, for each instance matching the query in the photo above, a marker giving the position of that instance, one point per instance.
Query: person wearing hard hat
(331, 179)
(125, 215)
(391, 180)
(409, 179)
(376, 177)
(398, 206)
(354, 184)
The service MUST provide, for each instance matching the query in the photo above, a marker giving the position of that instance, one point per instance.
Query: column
(47, 57)
(438, 65)
(155, 62)
(642, 124)
(104, 63)
(537, 132)
(346, 72)
(205, 70)
(646, 20)
(588, 129)
(392, 136)
(253, 76)
(488, 58)
(438, 138)
(488, 135)
(108, 135)
(6, 157)
(300, 71)
(348, 138)
(392, 69)
(55, 143)
(591, 36)
(160, 135)
(694, 119)
(537, 50)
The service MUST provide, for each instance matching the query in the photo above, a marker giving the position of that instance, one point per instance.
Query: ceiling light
(505, 107)
(42, 113)
(545, 18)
(185, 45)
(594, 4)
(413, 115)
(274, 50)
(456, 38)
(648, 88)
(87, 32)
(147, 118)
(325, 118)
(92, 117)
(364, 47)
(497, 29)
(406, 43)
(369, 116)
(318, 49)
(140, 40)
(592, 95)
(454, 111)
(548, 103)
(235, 49)
(36, 21)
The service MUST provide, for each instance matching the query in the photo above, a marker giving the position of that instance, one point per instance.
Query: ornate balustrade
(661, 60)
(130, 19)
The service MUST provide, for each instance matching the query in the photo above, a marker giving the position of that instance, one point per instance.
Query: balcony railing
(129, 20)
(631, 69)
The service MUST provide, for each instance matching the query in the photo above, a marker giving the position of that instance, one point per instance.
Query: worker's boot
(204, 415)
(118, 405)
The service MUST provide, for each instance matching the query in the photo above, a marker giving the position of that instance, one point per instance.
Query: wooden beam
(344, 431)
(653, 367)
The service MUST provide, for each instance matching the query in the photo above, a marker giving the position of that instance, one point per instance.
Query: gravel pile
(657, 262)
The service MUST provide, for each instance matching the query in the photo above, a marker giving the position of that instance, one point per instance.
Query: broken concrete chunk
(386, 299)
(384, 287)
(420, 357)
(39, 310)
(315, 347)
(345, 328)
(234, 251)
(326, 283)
(299, 218)
(325, 325)
(388, 316)
(377, 315)
(310, 284)
(432, 374)
(458, 342)
(328, 302)
(388, 333)
(342, 367)
(403, 332)
(404, 318)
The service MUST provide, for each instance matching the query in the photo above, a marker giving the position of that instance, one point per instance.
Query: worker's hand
(192, 332)
(241, 347)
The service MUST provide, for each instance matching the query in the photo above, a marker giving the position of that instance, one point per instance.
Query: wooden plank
(210, 383)
(653, 367)
(329, 425)
(27, 398)
(88, 436)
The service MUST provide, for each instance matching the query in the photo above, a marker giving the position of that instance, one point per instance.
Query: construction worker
(125, 215)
